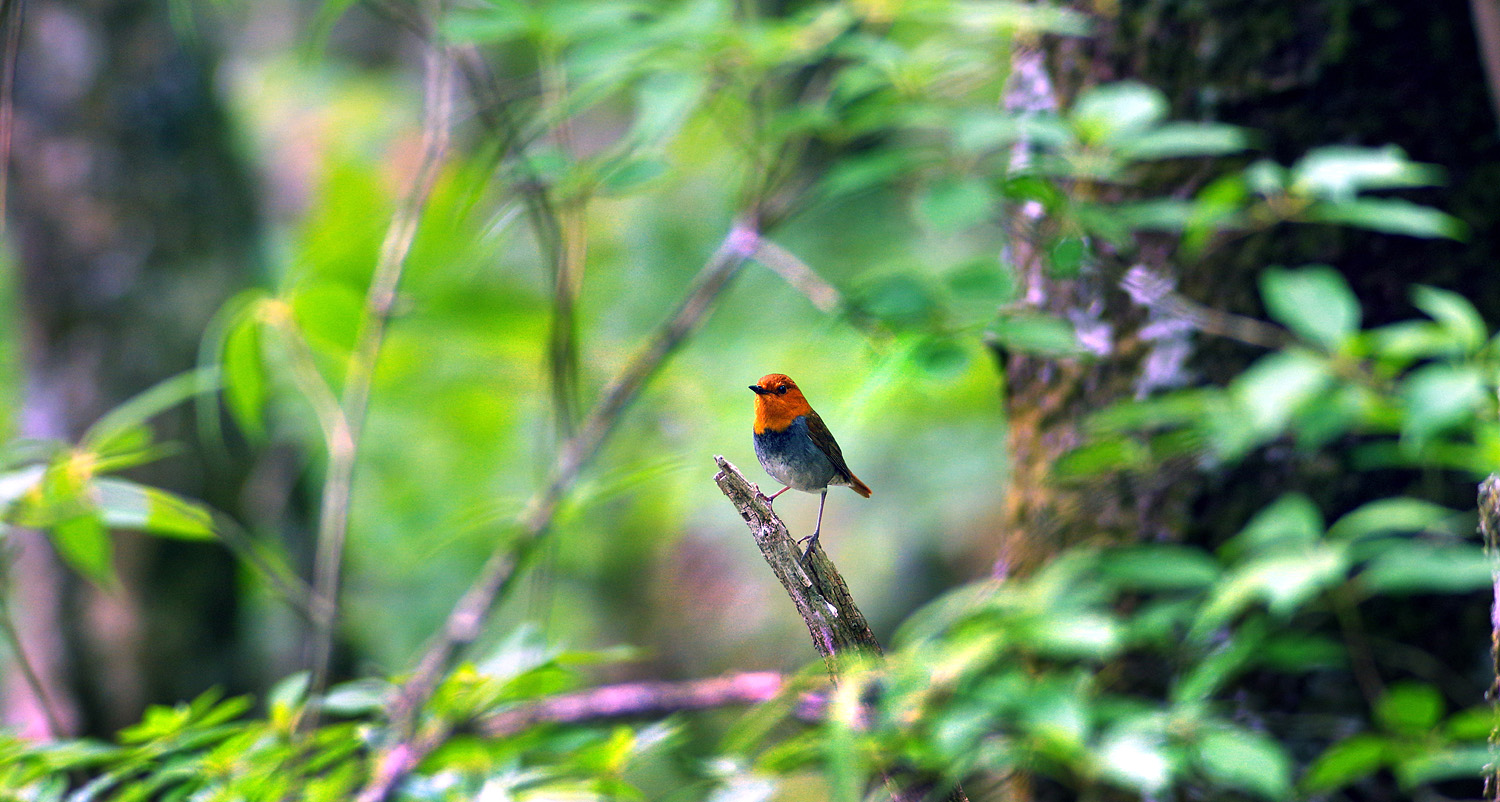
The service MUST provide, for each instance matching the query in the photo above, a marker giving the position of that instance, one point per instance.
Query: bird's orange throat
(776, 412)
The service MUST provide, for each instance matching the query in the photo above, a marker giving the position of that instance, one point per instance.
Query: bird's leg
(812, 540)
(773, 496)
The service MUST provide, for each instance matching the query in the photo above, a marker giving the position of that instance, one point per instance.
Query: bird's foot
(811, 541)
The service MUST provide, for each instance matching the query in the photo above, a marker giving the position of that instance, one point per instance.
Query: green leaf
(128, 505)
(1291, 521)
(1391, 516)
(1272, 390)
(1409, 340)
(1466, 761)
(1102, 456)
(955, 204)
(1388, 216)
(1410, 708)
(1314, 302)
(1185, 140)
(630, 175)
(1036, 333)
(1159, 567)
(1066, 256)
(1345, 762)
(1453, 312)
(1137, 759)
(84, 544)
(496, 22)
(1439, 396)
(14, 485)
(663, 101)
(1246, 761)
(1113, 112)
(987, 130)
(147, 405)
(358, 697)
(1417, 567)
(900, 300)
(1339, 173)
(1284, 581)
(1006, 19)
(245, 387)
(1266, 178)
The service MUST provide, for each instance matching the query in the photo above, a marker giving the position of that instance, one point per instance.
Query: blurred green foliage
(869, 137)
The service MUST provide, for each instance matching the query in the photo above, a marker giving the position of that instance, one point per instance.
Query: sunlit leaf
(14, 485)
(1388, 216)
(1314, 302)
(1159, 567)
(1140, 760)
(1391, 515)
(1345, 762)
(1273, 389)
(663, 102)
(1409, 707)
(1291, 521)
(1463, 761)
(245, 385)
(1283, 581)
(83, 543)
(1417, 567)
(1338, 172)
(1438, 396)
(128, 505)
(1454, 313)
(1036, 333)
(1113, 112)
(1245, 760)
(1184, 140)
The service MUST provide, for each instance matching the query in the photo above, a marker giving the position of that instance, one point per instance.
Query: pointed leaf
(128, 505)
(1315, 302)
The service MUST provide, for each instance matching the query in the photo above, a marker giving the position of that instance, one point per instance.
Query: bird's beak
(758, 390)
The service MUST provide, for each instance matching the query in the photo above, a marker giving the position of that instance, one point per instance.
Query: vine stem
(343, 441)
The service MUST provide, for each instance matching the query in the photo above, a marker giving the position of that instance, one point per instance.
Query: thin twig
(473, 609)
(797, 273)
(290, 587)
(12, 16)
(647, 700)
(333, 521)
(1156, 292)
(33, 679)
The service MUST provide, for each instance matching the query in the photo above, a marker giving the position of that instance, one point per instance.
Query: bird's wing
(823, 439)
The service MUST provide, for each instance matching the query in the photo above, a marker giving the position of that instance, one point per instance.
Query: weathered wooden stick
(838, 628)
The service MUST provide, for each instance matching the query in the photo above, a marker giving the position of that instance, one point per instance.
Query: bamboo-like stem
(343, 448)
(472, 611)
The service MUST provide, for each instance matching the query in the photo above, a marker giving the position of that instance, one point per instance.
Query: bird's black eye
(781, 389)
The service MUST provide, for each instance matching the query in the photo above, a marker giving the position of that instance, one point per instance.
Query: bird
(796, 448)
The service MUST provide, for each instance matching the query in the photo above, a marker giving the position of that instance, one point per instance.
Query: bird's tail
(859, 487)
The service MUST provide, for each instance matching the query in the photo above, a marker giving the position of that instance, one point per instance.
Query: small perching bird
(795, 447)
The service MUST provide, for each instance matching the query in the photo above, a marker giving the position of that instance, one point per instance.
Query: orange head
(777, 402)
